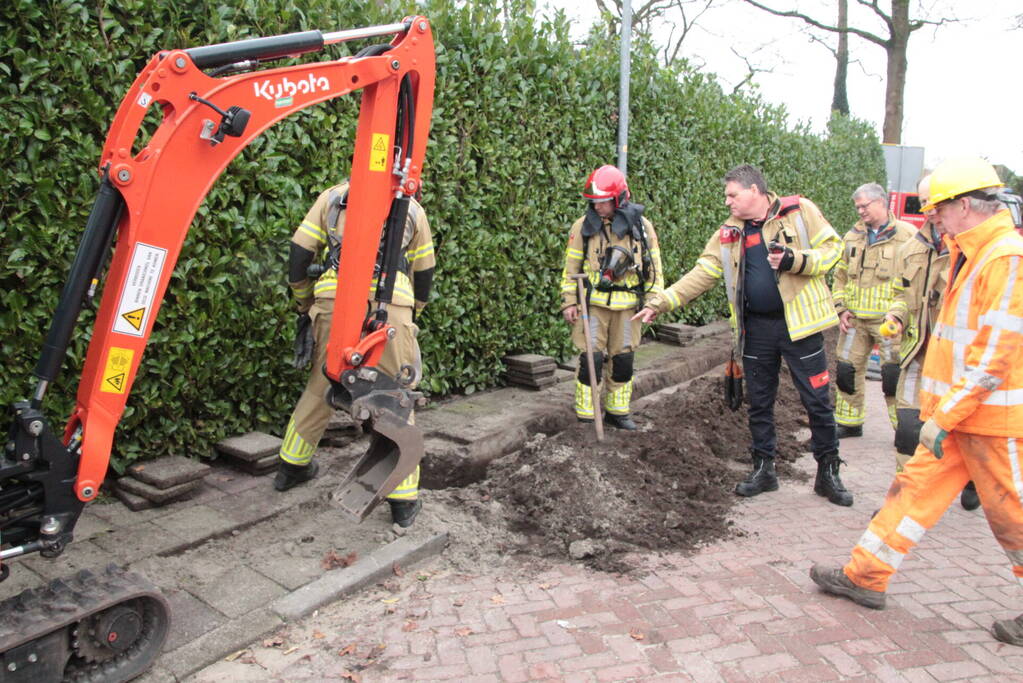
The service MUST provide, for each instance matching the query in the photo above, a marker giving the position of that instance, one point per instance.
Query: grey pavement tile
(90, 525)
(143, 540)
(228, 479)
(190, 618)
(231, 637)
(168, 471)
(292, 573)
(117, 514)
(157, 495)
(22, 577)
(250, 446)
(84, 555)
(196, 523)
(237, 591)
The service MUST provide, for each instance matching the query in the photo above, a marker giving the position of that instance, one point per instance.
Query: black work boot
(403, 512)
(289, 475)
(833, 580)
(620, 422)
(969, 498)
(1009, 630)
(846, 431)
(828, 483)
(761, 479)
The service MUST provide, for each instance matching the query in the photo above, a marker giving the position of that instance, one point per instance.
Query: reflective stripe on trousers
(920, 494)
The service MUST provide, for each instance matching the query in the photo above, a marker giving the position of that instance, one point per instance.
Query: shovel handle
(584, 314)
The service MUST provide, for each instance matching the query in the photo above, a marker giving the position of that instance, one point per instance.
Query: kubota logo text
(286, 87)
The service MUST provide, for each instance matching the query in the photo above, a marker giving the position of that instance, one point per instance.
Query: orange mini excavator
(110, 625)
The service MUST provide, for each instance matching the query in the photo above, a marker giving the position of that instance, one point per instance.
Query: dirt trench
(667, 487)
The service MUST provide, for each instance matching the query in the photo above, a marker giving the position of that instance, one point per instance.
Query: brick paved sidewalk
(739, 610)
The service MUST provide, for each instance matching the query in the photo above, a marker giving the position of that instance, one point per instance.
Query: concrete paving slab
(250, 446)
(375, 567)
(230, 480)
(218, 643)
(237, 591)
(90, 525)
(168, 471)
(196, 523)
(157, 495)
(138, 542)
(132, 501)
(191, 618)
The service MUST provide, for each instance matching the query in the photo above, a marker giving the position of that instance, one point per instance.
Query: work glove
(305, 343)
(932, 436)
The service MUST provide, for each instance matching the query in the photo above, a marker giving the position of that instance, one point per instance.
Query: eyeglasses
(863, 207)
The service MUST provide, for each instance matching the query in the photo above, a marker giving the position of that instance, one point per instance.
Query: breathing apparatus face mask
(617, 262)
(1015, 204)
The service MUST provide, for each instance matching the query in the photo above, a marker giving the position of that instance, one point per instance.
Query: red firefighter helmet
(607, 182)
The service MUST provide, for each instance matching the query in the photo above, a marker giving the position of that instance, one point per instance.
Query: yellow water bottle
(889, 329)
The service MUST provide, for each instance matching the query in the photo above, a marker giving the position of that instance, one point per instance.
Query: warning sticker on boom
(115, 374)
(378, 155)
(139, 290)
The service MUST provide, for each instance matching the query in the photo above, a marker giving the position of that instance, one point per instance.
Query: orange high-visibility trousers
(921, 493)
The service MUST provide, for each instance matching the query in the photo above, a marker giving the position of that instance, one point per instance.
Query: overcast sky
(964, 92)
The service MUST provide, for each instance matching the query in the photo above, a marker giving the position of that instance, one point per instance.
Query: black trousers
(767, 342)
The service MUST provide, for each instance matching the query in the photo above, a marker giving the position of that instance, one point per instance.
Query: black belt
(773, 315)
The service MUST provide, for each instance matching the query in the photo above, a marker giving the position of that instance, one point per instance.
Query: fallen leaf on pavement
(290, 650)
(332, 560)
(318, 635)
(276, 641)
(636, 634)
(464, 631)
(497, 599)
(235, 655)
(398, 571)
(346, 650)
(458, 602)
(410, 626)
(376, 651)
(389, 600)
(351, 676)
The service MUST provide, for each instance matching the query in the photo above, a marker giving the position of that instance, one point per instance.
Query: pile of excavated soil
(668, 487)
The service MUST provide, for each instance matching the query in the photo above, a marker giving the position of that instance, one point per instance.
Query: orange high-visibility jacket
(973, 374)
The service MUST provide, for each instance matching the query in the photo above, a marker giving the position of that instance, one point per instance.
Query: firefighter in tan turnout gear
(919, 292)
(971, 396)
(863, 290)
(319, 236)
(773, 253)
(616, 247)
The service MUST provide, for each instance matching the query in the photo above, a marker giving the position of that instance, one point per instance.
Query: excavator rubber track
(68, 630)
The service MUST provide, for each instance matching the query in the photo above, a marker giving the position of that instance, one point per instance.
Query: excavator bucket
(395, 450)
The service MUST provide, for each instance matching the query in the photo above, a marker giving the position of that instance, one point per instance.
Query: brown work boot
(1009, 630)
(833, 580)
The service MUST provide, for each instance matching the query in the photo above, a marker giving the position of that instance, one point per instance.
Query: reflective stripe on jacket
(312, 235)
(807, 300)
(865, 274)
(615, 299)
(972, 376)
(919, 290)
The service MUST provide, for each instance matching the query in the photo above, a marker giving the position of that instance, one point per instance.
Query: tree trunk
(840, 99)
(895, 88)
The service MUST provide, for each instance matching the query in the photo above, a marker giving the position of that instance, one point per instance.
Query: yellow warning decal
(378, 155)
(115, 375)
(135, 317)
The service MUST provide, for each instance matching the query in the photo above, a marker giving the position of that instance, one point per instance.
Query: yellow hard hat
(956, 177)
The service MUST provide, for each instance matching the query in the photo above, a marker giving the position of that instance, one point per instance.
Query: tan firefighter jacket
(865, 276)
(326, 220)
(793, 221)
(626, 291)
(919, 290)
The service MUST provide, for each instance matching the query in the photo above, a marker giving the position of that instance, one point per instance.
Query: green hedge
(521, 117)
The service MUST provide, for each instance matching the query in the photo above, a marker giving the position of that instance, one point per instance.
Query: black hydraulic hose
(95, 241)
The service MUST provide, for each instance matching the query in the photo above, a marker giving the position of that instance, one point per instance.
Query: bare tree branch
(866, 35)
